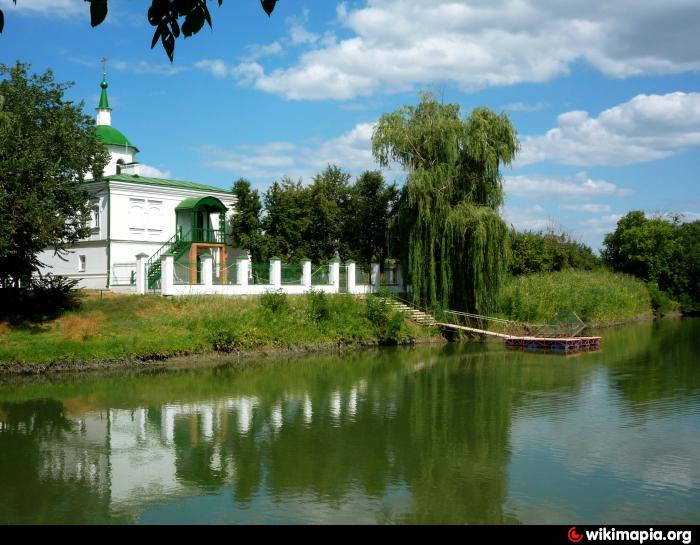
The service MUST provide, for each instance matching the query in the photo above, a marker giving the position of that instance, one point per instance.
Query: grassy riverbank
(114, 328)
(599, 297)
(118, 327)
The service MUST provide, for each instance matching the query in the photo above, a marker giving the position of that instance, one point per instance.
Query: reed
(599, 297)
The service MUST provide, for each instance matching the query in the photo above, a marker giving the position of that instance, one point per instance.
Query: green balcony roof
(195, 203)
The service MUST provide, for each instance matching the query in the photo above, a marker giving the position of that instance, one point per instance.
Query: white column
(141, 273)
(306, 272)
(335, 274)
(351, 276)
(375, 276)
(167, 424)
(207, 270)
(308, 410)
(207, 422)
(242, 268)
(276, 272)
(399, 277)
(167, 274)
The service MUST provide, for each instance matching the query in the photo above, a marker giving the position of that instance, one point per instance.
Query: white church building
(134, 214)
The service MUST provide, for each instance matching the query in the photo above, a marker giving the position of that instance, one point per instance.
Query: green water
(449, 434)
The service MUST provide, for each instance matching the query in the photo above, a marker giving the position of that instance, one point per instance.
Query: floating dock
(554, 343)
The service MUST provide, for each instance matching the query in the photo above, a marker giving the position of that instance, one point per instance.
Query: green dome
(112, 137)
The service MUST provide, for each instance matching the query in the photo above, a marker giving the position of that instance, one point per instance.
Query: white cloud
(141, 67)
(53, 8)
(153, 172)
(532, 218)
(257, 51)
(395, 45)
(216, 67)
(601, 225)
(525, 107)
(690, 216)
(351, 151)
(646, 128)
(161, 69)
(588, 207)
(298, 33)
(578, 187)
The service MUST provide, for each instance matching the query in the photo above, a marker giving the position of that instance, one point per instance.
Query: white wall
(123, 259)
(95, 274)
(117, 153)
(147, 213)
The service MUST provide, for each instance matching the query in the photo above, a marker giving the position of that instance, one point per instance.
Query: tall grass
(599, 297)
(119, 327)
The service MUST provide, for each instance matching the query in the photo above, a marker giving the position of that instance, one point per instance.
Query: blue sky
(605, 96)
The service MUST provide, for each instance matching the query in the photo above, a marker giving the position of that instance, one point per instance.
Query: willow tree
(450, 237)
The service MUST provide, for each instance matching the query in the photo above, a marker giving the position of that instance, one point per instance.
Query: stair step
(417, 315)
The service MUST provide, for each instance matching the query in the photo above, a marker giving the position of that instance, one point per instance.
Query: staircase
(177, 246)
(415, 314)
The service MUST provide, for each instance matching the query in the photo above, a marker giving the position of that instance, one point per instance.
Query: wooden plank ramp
(512, 341)
(541, 343)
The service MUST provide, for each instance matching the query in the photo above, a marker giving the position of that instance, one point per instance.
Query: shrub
(223, 340)
(319, 306)
(389, 325)
(275, 301)
(45, 298)
(660, 302)
(377, 311)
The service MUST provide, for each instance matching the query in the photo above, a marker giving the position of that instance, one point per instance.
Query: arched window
(120, 162)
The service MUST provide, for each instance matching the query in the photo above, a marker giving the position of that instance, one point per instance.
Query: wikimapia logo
(637, 536)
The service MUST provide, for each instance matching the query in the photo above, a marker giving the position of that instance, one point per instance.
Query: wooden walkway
(511, 341)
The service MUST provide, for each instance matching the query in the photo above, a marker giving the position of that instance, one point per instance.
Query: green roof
(104, 103)
(111, 136)
(194, 203)
(178, 184)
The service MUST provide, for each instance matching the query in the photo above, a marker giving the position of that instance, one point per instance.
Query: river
(461, 433)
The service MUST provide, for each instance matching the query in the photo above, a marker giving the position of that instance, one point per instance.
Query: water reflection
(456, 434)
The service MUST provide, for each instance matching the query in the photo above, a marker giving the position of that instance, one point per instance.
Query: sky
(605, 96)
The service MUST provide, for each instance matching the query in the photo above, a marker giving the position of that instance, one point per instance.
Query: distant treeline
(662, 251)
(548, 251)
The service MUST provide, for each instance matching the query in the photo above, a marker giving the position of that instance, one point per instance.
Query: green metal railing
(178, 245)
(362, 276)
(292, 273)
(320, 276)
(389, 276)
(260, 273)
(212, 236)
(183, 269)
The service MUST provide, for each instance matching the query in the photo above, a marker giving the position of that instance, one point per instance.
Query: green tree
(286, 221)
(641, 247)
(47, 145)
(171, 18)
(246, 223)
(533, 252)
(370, 207)
(662, 251)
(453, 242)
(328, 211)
(684, 281)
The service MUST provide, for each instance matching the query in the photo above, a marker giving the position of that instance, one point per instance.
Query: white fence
(243, 286)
